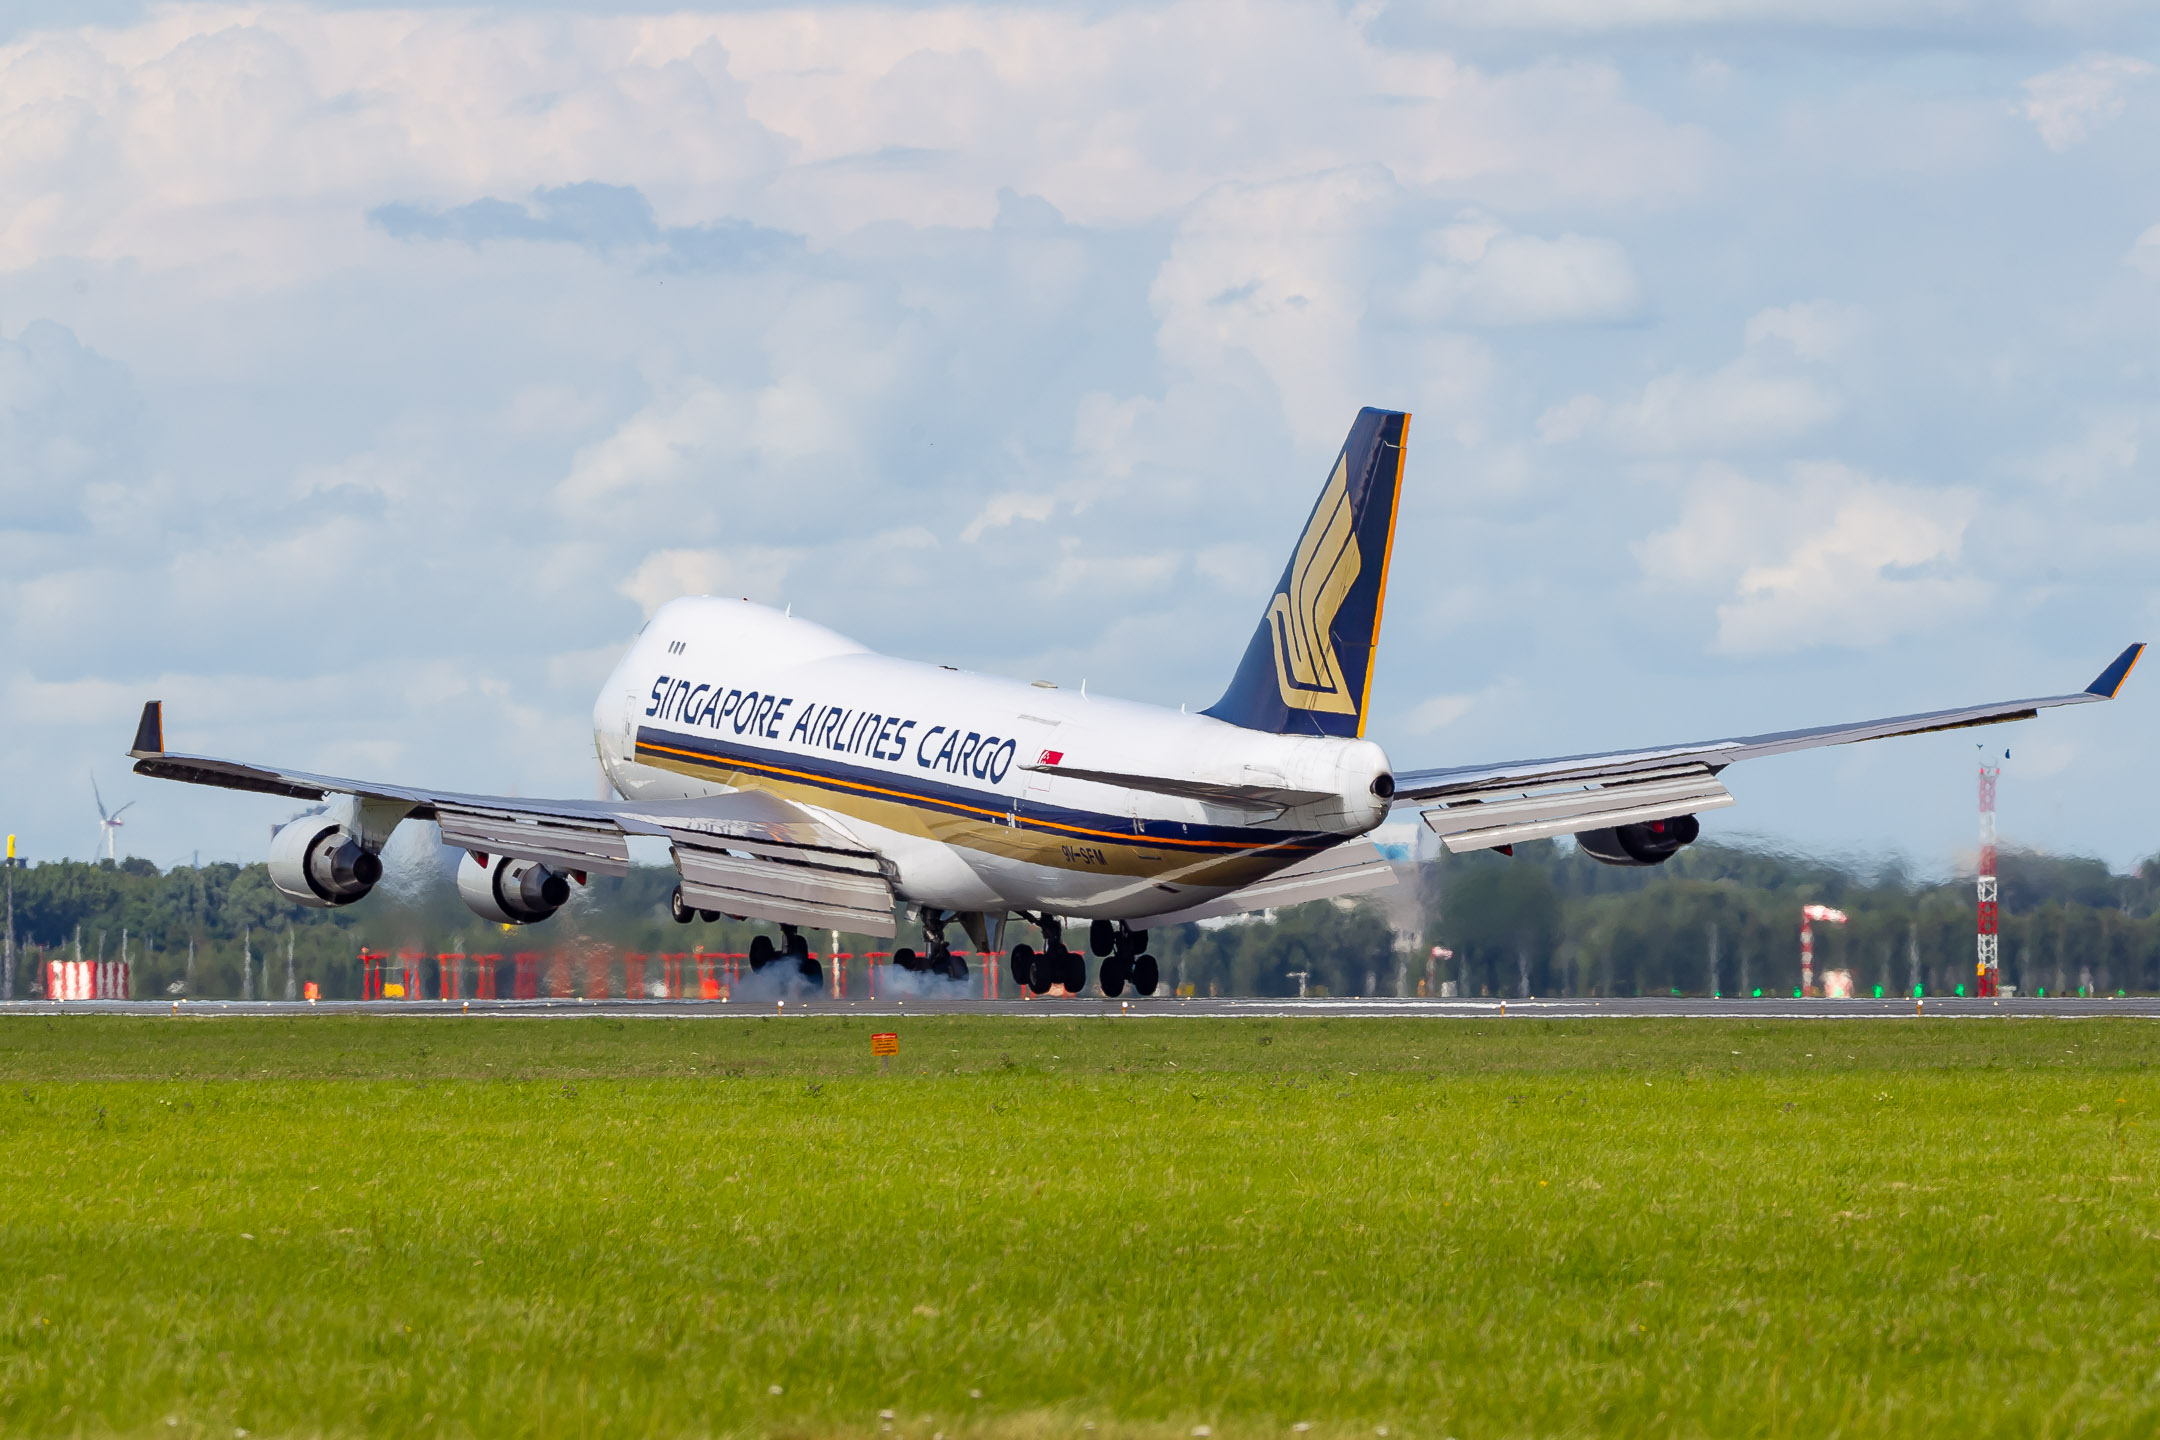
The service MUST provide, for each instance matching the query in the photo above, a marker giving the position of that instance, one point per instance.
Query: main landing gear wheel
(761, 951)
(956, 966)
(1145, 975)
(1111, 975)
(1075, 973)
(683, 913)
(1102, 938)
(813, 973)
(1042, 972)
(905, 958)
(1023, 963)
(798, 947)
(708, 916)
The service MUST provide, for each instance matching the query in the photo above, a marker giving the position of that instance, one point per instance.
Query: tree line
(1718, 919)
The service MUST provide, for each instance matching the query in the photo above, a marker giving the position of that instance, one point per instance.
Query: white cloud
(753, 572)
(1437, 712)
(1817, 330)
(1761, 400)
(1481, 273)
(1827, 557)
(1274, 275)
(2145, 254)
(250, 140)
(2070, 102)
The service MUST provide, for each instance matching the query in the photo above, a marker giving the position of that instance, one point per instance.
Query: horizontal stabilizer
(1345, 870)
(1485, 823)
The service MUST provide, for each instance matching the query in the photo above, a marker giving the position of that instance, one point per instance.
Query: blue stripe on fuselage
(987, 807)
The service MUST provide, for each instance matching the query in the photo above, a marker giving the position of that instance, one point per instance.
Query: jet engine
(508, 890)
(1652, 842)
(317, 862)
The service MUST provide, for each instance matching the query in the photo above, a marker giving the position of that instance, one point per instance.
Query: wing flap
(584, 845)
(790, 891)
(1482, 824)
(1345, 870)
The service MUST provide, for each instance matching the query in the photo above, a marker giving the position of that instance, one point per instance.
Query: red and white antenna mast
(1990, 966)
(1809, 914)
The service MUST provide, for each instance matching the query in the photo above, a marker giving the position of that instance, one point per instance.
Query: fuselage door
(1038, 741)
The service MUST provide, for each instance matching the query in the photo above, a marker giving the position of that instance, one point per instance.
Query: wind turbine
(108, 822)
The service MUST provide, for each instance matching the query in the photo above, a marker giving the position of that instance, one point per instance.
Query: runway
(1333, 1008)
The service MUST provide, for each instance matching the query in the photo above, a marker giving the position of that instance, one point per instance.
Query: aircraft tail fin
(1308, 667)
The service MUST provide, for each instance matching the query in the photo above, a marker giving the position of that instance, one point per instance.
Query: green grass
(1468, 1228)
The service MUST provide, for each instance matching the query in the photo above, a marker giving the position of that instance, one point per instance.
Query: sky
(368, 375)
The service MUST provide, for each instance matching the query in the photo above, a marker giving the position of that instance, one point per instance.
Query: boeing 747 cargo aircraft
(804, 780)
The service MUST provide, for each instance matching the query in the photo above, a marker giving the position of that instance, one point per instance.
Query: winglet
(150, 730)
(2111, 679)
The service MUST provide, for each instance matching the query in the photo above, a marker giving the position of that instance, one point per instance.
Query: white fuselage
(930, 766)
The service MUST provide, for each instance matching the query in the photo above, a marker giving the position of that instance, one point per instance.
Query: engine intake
(510, 891)
(319, 864)
(1652, 842)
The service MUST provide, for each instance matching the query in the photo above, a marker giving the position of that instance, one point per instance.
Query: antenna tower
(1990, 958)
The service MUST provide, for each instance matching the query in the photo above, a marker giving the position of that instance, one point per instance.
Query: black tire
(710, 917)
(1023, 963)
(799, 948)
(956, 966)
(1146, 975)
(761, 951)
(813, 972)
(1075, 976)
(904, 957)
(1111, 976)
(683, 913)
(1042, 972)
(1102, 938)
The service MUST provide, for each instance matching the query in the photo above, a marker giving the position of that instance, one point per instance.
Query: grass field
(1032, 1227)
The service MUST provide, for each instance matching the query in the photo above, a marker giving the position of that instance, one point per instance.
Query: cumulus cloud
(1770, 396)
(1827, 556)
(1274, 276)
(2145, 254)
(608, 219)
(413, 356)
(2068, 103)
(753, 572)
(69, 418)
(1478, 272)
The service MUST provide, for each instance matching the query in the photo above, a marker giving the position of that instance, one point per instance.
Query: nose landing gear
(940, 958)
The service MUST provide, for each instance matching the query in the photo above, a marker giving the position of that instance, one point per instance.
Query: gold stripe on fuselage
(1002, 833)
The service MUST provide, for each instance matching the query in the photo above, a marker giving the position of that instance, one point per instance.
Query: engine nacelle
(510, 891)
(1652, 842)
(317, 862)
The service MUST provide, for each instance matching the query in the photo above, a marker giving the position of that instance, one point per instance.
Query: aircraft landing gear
(793, 947)
(1125, 964)
(683, 913)
(1053, 964)
(940, 958)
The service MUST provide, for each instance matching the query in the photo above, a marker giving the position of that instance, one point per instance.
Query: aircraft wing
(1477, 807)
(744, 853)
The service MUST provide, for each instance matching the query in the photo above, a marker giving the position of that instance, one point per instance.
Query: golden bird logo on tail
(1302, 620)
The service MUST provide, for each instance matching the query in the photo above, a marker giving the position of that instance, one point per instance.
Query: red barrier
(452, 970)
(526, 984)
(484, 965)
